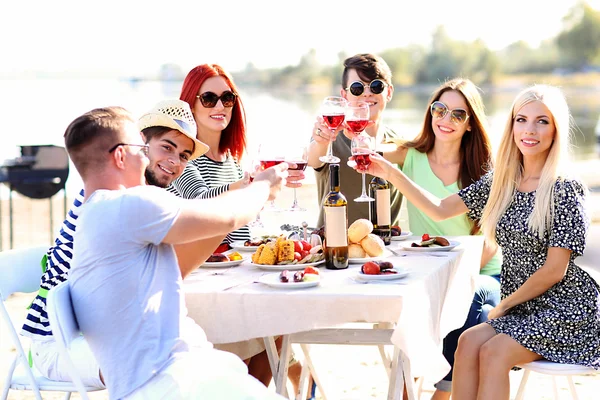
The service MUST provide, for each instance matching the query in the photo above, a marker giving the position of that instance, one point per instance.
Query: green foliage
(580, 40)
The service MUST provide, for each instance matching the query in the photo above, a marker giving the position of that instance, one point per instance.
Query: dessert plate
(401, 273)
(222, 264)
(289, 267)
(403, 235)
(406, 246)
(273, 281)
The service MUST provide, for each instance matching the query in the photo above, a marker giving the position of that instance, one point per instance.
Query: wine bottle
(380, 209)
(336, 223)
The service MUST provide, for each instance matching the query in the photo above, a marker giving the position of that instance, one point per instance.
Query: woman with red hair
(221, 120)
(221, 124)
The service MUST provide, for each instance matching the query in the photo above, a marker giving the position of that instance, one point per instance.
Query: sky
(127, 37)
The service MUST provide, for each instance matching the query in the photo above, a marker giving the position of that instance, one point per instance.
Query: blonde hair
(508, 172)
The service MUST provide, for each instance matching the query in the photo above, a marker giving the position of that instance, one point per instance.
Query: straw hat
(176, 114)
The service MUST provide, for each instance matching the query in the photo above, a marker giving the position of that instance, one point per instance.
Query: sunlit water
(37, 112)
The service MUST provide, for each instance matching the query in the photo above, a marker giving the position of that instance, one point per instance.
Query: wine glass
(297, 155)
(361, 148)
(333, 112)
(357, 116)
(270, 154)
(251, 168)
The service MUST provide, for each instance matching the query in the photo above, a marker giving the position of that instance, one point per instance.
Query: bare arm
(489, 251)
(434, 208)
(207, 218)
(552, 272)
(191, 255)
(396, 156)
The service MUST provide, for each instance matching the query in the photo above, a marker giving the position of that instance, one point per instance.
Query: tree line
(575, 49)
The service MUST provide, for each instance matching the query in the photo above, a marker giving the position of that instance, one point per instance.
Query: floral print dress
(562, 324)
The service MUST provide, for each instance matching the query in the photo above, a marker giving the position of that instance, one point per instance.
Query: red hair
(233, 137)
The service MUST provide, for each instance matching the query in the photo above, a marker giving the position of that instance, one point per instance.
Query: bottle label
(382, 200)
(336, 229)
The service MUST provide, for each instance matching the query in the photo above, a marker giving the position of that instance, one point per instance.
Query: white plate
(364, 260)
(403, 235)
(239, 246)
(273, 281)
(289, 267)
(222, 264)
(406, 246)
(386, 277)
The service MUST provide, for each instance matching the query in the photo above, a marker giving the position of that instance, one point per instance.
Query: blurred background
(63, 58)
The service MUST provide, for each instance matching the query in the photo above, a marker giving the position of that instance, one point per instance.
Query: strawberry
(298, 246)
(305, 245)
(425, 237)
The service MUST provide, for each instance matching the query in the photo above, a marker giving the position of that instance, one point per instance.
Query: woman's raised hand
(379, 166)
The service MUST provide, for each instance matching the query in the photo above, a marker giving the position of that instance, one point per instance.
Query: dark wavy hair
(233, 137)
(475, 147)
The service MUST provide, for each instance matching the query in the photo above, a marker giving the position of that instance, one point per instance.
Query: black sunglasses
(376, 86)
(210, 99)
(144, 148)
(457, 116)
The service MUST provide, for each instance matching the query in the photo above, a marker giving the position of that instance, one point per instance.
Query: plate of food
(290, 267)
(309, 277)
(252, 244)
(380, 271)
(401, 236)
(430, 243)
(223, 260)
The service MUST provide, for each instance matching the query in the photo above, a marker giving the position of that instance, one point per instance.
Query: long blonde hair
(508, 172)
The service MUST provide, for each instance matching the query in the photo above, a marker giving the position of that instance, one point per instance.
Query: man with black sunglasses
(367, 78)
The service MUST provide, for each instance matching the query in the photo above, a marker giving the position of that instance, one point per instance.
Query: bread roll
(356, 251)
(373, 245)
(359, 229)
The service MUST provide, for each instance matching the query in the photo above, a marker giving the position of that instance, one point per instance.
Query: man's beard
(151, 179)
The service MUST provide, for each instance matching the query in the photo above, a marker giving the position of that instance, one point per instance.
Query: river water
(37, 111)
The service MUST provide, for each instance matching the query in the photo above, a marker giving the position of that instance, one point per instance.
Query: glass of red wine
(357, 116)
(333, 111)
(362, 146)
(270, 155)
(297, 155)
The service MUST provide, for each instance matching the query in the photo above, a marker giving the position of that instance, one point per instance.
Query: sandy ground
(348, 372)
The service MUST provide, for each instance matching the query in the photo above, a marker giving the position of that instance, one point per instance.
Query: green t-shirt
(417, 168)
(351, 182)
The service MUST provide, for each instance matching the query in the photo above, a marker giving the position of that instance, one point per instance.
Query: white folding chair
(554, 369)
(20, 272)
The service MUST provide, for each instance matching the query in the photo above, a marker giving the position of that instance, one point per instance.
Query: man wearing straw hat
(166, 145)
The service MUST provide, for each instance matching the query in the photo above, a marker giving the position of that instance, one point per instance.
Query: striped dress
(204, 178)
(58, 264)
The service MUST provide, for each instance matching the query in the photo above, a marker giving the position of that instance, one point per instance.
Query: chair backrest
(65, 329)
(20, 270)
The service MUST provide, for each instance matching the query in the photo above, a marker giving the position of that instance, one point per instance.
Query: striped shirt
(58, 264)
(204, 178)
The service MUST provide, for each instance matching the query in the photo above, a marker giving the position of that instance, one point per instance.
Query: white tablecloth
(431, 301)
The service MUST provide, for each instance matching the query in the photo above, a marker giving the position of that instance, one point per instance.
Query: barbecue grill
(39, 173)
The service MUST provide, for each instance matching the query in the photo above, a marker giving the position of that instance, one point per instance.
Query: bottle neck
(334, 179)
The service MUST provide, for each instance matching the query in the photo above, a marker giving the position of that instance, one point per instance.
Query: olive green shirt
(351, 182)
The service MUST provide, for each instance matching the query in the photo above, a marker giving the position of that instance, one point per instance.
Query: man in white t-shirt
(125, 276)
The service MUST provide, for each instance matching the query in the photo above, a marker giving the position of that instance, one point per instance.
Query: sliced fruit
(311, 270)
(425, 237)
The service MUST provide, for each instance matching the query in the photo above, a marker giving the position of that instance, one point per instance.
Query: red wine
(300, 165)
(269, 163)
(361, 156)
(336, 223)
(334, 121)
(357, 125)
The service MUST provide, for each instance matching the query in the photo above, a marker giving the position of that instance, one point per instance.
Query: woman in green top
(451, 152)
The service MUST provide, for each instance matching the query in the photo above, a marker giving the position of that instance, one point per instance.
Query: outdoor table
(421, 308)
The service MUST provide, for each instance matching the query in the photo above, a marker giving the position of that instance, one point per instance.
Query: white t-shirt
(126, 285)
